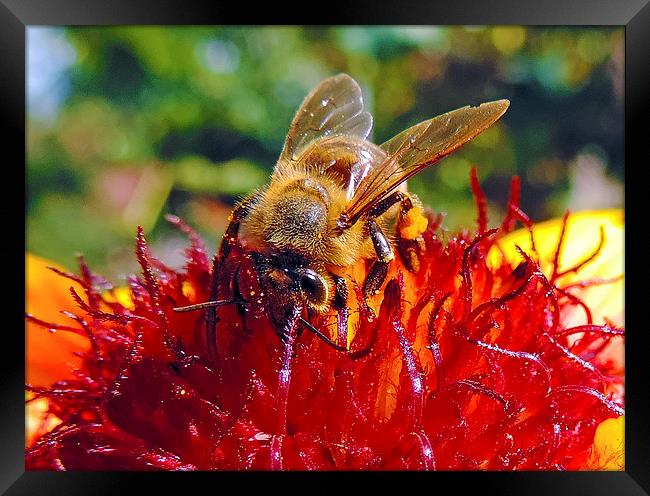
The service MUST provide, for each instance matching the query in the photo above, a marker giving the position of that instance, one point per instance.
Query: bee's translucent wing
(333, 108)
(416, 148)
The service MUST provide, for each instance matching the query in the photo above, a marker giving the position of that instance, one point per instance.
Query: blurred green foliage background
(126, 124)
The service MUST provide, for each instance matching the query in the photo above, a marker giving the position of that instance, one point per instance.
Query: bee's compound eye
(314, 285)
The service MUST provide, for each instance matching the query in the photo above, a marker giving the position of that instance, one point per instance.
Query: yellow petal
(581, 239)
(122, 295)
(609, 446)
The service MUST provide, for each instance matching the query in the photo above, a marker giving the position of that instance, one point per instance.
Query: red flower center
(461, 365)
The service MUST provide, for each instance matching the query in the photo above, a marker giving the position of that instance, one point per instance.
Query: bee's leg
(340, 303)
(411, 224)
(238, 214)
(389, 201)
(379, 269)
(228, 241)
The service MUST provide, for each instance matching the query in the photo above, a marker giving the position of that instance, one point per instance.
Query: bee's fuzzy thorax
(299, 213)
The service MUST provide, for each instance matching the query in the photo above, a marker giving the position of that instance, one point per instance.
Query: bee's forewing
(418, 147)
(443, 131)
(333, 108)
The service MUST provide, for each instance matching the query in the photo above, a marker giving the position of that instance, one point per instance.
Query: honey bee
(330, 200)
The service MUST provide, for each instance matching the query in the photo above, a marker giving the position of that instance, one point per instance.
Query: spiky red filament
(463, 365)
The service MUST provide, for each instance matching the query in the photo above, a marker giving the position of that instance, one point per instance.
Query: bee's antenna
(327, 340)
(207, 304)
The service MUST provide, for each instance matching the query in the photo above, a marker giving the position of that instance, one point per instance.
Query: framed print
(342, 247)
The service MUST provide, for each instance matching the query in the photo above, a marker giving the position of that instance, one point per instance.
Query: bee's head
(291, 286)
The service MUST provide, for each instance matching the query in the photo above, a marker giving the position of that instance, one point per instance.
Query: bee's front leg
(379, 269)
(232, 230)
(229, 239)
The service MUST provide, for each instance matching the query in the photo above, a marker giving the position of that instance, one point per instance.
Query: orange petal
(608, 451)
(49, 355)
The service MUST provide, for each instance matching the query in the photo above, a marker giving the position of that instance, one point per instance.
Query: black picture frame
(17, 15)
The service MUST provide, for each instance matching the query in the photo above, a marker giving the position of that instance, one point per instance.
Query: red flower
(480, 360)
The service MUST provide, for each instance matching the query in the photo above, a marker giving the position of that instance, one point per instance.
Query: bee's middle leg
(379, 269)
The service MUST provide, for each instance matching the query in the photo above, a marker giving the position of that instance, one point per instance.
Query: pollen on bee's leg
(413, 223)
